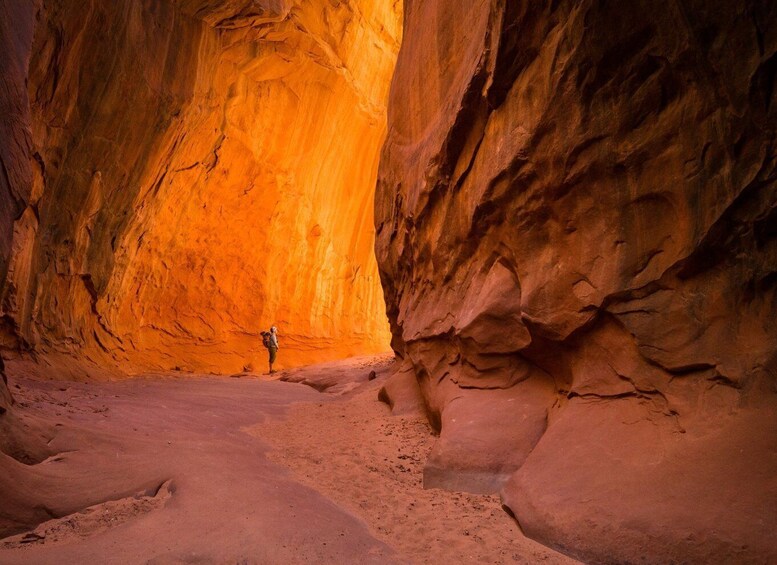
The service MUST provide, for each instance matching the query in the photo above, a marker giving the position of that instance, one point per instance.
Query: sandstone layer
(576, 215)
(179, 175)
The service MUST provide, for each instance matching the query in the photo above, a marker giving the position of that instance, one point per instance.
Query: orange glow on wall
(206, 175)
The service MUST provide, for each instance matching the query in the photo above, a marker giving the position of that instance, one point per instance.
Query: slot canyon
(522, 259)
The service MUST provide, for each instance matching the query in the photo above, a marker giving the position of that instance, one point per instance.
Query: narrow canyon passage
(522, 258)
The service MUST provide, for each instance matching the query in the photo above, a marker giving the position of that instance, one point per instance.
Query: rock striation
(577, 236)
(182, 174)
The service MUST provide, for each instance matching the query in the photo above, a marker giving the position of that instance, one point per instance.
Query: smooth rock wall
(198, 171)
(576, 214)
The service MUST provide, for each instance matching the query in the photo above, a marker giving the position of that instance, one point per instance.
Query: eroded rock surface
(182, 174)
(576, 216)
(166, 469)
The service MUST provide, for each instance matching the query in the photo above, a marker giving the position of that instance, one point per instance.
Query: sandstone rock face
(16, 29)
(6, 400)
(576, 218)
(189, 172)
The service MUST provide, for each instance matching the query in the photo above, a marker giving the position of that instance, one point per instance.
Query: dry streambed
(371, 463)
(241, 470)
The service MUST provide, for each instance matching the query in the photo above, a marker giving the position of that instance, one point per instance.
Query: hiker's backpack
(266, 340)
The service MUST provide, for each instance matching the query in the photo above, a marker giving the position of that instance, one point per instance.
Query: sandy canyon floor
(249, 469)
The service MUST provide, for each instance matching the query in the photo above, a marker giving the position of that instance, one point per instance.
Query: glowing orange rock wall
(202, 170)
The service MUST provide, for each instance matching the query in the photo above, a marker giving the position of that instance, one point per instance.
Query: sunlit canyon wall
(181, 174)
(577, 233)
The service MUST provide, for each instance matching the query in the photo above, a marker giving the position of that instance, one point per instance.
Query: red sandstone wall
(16, 29)
(576, 233)
(200, 171)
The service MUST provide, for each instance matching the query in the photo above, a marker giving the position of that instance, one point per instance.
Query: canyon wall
(189, 173)
(577, 234)
(16, 28)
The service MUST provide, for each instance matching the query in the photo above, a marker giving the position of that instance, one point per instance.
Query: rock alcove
(574, 234)
(184, 174)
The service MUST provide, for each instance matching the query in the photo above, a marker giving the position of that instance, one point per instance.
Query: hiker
(270, 341)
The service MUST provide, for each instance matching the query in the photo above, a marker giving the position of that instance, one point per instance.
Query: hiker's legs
(272, 358)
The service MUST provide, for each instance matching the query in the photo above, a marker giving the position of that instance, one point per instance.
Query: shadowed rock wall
(577, 219)
(16, 28)
(197, 171)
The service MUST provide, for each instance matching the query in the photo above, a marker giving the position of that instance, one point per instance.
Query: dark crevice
(689, 369)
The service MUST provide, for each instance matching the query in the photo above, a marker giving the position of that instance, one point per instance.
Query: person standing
(273, 346)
